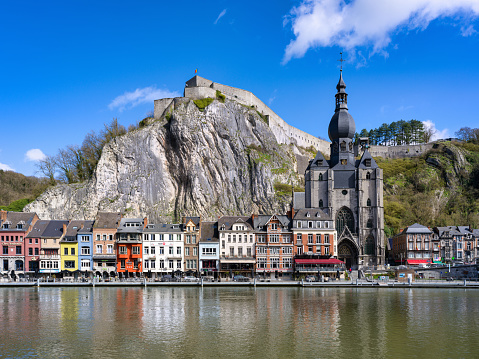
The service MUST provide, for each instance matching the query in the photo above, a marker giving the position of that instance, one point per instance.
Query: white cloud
(5, 167)
(220, 16)
(140, 96)
(34, 154)
(368, 23)
(437, 134)
(467, 30)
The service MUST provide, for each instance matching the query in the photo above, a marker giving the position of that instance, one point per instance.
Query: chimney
(3, 215)
(145, 222)
(64, 228)
(183, 219)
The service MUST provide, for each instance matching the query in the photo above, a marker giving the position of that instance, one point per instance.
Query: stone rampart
(400, 151)
(160, 107)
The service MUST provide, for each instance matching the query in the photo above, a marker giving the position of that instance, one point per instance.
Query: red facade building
(129, 246)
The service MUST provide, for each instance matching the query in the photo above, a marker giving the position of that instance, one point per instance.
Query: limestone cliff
(223, 159)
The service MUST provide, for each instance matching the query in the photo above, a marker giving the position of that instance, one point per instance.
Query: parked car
(190, 278)
(241, 278)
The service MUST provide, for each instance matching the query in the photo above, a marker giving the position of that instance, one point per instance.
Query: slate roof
(87, 228)
(107, 220)
(367, 156)
(228, 222)
(122, 228)
(314, 214)
(14, 218)
(441, 231)
(54, 229)
(261, 220)
(73, 228)
(195, 220)
(318, 162)
(38, 229)
(163, 228)
(299, 200)
(417, 228)
(209, 232)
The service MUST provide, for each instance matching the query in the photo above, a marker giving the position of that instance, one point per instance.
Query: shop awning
(318, 261)
(418, 261)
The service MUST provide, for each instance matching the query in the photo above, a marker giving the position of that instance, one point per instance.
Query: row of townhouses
(269, 245)
(418, 244)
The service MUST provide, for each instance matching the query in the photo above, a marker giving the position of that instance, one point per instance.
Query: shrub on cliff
(202, 103)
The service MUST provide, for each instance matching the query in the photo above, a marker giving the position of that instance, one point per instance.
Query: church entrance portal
(348, 253)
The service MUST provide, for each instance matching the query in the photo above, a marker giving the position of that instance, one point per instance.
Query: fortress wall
(400, 151)
(197, 93)
(160, 106)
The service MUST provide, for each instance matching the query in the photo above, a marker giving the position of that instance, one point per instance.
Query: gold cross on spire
(341, 60)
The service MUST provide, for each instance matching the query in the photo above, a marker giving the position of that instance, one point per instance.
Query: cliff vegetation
(438, 188)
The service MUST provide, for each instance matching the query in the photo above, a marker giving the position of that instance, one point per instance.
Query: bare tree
(428, 133)
(48, 168)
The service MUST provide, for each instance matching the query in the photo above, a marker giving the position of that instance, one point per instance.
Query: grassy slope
(17, 190)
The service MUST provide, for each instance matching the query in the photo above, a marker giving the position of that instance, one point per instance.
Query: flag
(196, 71)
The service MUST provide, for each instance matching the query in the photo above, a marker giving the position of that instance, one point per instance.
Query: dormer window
(367, 162)
(319, 162)
(308, 215)
(223, 227)
(6, 225)
(19, 226)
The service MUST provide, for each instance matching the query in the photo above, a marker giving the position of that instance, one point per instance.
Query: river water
(237, 322)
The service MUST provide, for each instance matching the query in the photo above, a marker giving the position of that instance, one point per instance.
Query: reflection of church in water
(349, 189)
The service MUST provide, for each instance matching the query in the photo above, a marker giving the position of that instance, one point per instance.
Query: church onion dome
(342, 123)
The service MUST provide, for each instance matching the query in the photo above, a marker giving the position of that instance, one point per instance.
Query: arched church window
(320, 203)
(368, 202)
(370, 223)
(345, 218)
(350, 146)
(369, 247)
(368, 175)
(320, 176)
(343, 146)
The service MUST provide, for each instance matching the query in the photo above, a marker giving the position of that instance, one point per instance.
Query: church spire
(341, 95)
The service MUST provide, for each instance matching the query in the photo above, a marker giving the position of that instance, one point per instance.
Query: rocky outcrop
(221, 160)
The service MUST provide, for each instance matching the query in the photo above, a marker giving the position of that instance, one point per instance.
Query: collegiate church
(350, 190)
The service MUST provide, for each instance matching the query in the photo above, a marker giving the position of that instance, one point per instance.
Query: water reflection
(238, 322)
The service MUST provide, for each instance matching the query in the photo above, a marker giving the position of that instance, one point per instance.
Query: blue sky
(68, 67)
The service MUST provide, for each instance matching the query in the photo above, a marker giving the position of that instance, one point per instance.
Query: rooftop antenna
(341, 60)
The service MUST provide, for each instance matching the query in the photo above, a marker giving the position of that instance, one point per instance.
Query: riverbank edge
(378, 285)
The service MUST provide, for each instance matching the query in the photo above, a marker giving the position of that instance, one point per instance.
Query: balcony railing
(49, 257)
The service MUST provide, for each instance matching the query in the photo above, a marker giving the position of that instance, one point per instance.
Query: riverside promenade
(459, 284)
